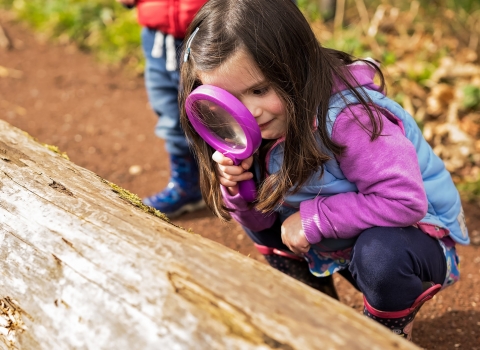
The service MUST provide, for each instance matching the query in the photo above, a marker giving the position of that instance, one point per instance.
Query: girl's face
(241, 77)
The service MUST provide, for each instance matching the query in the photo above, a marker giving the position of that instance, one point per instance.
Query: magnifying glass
(227, 126)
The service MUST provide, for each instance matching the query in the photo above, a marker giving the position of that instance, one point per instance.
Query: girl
(345, 179)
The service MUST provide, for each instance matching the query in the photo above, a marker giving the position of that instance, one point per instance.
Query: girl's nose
(255, 110)
(252, 106)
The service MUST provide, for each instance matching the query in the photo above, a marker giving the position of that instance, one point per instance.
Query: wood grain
(83, 268)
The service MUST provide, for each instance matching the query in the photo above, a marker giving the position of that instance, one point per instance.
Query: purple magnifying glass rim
(236, 109)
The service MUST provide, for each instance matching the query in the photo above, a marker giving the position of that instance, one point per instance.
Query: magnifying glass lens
(220, 123)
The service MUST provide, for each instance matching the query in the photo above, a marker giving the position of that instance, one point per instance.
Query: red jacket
(168, 16)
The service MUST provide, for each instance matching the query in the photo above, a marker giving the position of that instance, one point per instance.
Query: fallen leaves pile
(431, 63)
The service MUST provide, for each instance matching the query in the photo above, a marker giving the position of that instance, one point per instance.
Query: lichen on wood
(52, 148)
(55, 149)
(135, 200)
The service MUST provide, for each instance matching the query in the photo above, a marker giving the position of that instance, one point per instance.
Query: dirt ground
(100, 117)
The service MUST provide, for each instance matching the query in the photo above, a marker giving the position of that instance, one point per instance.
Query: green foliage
(471, 190)
(350, 42)
(310, 9)
(422, 72)
(389, 58)
(102, 26)
(111, 31)
(467, 6)
(471, 97)
(317, 9)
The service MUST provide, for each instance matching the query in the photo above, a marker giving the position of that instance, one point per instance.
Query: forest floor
(100, 117)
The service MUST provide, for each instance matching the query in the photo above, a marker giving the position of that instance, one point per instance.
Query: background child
(345, 178)
(164, 24)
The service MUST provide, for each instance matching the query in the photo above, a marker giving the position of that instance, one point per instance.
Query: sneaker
(182, 194)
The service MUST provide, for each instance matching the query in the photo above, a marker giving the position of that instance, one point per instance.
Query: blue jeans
(388, 264)
(162, 88)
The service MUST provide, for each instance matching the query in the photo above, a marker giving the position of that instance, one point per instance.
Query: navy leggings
(389, 264)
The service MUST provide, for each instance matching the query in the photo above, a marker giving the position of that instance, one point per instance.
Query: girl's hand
(229, 174)
(293, 235)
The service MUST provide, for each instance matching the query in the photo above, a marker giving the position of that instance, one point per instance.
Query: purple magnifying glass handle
(247, 190)
(227, 126)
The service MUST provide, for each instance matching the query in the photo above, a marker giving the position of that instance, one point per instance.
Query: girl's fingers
(221, 159)
(242, 176)
(229, 180)
(228, 174)
(231, 169)
(227, 183)
(247, 163)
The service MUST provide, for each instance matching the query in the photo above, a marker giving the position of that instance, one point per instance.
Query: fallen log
(85, 266)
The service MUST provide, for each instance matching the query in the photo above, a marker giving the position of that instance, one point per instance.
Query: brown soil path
(101, 119)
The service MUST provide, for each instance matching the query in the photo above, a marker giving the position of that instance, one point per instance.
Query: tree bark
(83, 267)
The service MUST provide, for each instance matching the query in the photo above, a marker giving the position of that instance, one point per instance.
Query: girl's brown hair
(279, 39)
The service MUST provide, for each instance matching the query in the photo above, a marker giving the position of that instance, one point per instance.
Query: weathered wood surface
(82, 268)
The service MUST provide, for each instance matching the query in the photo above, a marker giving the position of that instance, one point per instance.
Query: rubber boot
(401, 322)
(296, 267)
(182, 193)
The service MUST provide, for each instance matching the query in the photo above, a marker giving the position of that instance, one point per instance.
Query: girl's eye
(260, 91)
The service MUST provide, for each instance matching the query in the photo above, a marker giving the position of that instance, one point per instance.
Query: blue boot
(182, 193)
